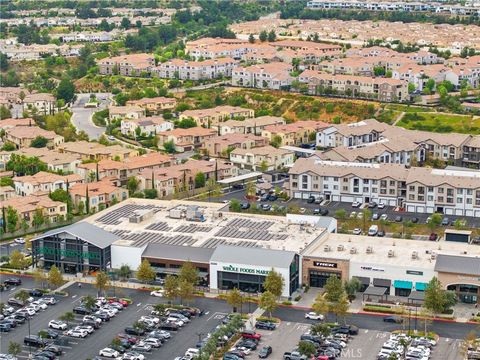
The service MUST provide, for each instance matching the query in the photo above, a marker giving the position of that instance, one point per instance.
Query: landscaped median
(402, 310)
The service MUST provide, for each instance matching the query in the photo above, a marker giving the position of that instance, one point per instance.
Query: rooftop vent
(353, 250)
(340, 248)
(327, 248)
(391, 253)
(414, 254)
(369, 249)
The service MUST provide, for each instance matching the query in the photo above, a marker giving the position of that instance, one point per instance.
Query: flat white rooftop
(375, 250)
(219, 227)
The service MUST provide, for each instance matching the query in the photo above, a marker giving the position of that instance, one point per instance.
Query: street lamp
(29, 343)
(199, 340)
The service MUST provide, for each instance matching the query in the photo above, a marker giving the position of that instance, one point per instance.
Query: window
(430, 188)
(411, 188)
(430, 197)
(459, 200)
(304, 178)
(469, 201)
(440, 199)
(345, 188)
(441, 190)
(421, 198)
(411, 197)
(460, 191)
(391, 191)
(315, 186)
(335, 178)
(392, 182)
(345, 180)
(383, 183)
(325, 186)
(365, 189)
(335, 187)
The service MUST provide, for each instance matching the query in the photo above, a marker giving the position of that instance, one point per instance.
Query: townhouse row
(415, 189)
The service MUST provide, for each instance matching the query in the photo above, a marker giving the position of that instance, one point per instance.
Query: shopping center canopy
(238, 178)
(416, 296)
(378, 292)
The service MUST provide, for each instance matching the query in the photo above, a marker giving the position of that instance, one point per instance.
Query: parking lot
(84, 348)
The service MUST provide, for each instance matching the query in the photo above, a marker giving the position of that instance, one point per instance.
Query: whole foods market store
(246, 268)
(78, 248)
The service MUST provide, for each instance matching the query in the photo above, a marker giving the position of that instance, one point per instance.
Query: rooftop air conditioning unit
(327, 248)
(433, 256)
(369, 250)
(414, 255)
(353, 250)
(391, 253)
(340, 247)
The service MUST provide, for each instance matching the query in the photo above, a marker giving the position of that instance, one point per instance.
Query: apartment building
(27, 206)
(127, 65)
(154, 106)
(382, 89)
(56, 162)
(216, 115)
(11, 123)
(125, 112)
(213, 48)
(95, 151)
(22, 136)
(12, 94)
(43, 181)
(306, 46)
(471, 153)
(186, 139)
(294, 134)
(195, 70)
(357, 66)
(42, 103)
(99, 194)
(145, 126)
(274, 76)
(264, 158)
(249, 126)
(171, 180)
(415, 189)
(419, 75)
(221, 146)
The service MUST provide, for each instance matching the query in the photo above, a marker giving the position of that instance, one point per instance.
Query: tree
(306, 348)
(263, 36)
(333, 289)
(250, 189)
(22, 296)
(89, 302)
(213, 188)
(150, 193)
(38, 218)
(132, 185)
(341, 214)
(67, 317)
(352, 286)
(234, 299)
(5, 113)
(341, 307)
(169, 146)
(65, 90)
(435, 221)
(12, 219)
(251, 39)
(102, 282)
(124, 272)
(276, 141)
(28, 165)
(320, 306)
(186, 290)
(55, 278)
(274, 283)
(263, 167)
(17, 260)
(438, 300)
(145, 272)
(14, 348)
(3, 62)
(170, 287)
(39, 142)
(268, 302)
(271, 36)
(189, 273)
(199, 180)
(235, 205)
(125, 23)
(320, 329)
(40, 277)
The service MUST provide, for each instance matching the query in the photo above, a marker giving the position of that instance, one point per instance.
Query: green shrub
(268, 319)
(297, 298)
(286, 303)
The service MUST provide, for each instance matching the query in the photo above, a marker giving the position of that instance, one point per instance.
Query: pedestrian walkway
(250, 325)
(308, 298)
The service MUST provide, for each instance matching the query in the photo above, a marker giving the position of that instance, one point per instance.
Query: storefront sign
(371, 268)
(413, 272)
(469, 278)
(231, 268)
(68, 253)
(324, 264)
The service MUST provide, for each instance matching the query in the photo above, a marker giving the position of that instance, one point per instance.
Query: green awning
(401, 284)
(420, 286)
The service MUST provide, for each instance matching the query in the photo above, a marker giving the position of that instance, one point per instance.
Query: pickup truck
(294, 355)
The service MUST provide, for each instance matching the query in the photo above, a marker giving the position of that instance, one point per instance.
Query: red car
(130, 339)
(433, 237)
(120, 301)
(249, 334)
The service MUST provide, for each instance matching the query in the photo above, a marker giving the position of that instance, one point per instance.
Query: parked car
(372, 204)
(414, 220)
(356, 204)
(134, 331)
(157, 293)
(381, 205)
(357, 231)
(375, 216)
(384, 217)
(81, 310)
(398, 218)
(311, 200)
(35, 293)
(393, 319)
(19, 240)
(445, 221)
(265, 352)
(13, 281)
(245, 206)
(265, 325)
(109, 352)
(50, 334)
(381, 233)
(250, 334)
(314, 316)
(433, 237)
(57, 324)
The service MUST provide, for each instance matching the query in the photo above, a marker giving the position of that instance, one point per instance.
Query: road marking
(139, 304)
(74, 296)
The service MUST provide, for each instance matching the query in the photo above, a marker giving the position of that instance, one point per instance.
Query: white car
(356, 204)
(108, 352)
(383, 217)
(111, 138)
(157, 293)
(102, 300)
(132, 355)
(41, 304)
(56, 324)
(381, 205)
(357, 231)
(243, 349)
(34, 306)
(31, 310)
(92, 318)
(49, 300)
(89, 329)
(154, 319)
(77, 333)
(175, 321)
(19, 240)
(314, 316)
(156, 343)
(192, 352)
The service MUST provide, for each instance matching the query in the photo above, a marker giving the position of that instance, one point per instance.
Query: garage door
(335, 197)
(430, 210)
(420, 209)
(411, 208)
(477, 213)
(468, 212)
(297, 195)
(392, 202)
(448, 211)
(305, 195)
(459, 212)
(348, 199)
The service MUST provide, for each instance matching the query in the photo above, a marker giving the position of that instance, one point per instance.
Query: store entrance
(319, 278)
(466, 293)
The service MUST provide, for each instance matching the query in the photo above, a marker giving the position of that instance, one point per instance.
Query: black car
(134, 331)
(324, 212)
(311, 200)
(249, 344)
(168, 326)
(35, 341)
(308, 337)
(118, 348)
(245, 206)
(91, 323)
(265, 325)
(81, 310)
(103, 317)
(272, 197)
(35, 293)
(414, 220)
(13, 281)
(381, 233)
(45, 353)
(265, 352)
(54, 349)
(393, 319)
(50, 334)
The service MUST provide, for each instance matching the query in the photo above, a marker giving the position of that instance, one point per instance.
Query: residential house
(125, 112)
(44, 103)
(101, 194)
(11, 123)
(221, 146)
(22, 136)
(274, 75)
(154, 106)
(264, 158)
(145, 126)
(186, 139)
(294, 134)
(56, 162)
(249, 126)
(7, 192)
(213, 116)
(95, 151)
(419, 75)
(195, 70)
(127, 65)
(43, 181)
(13, 94)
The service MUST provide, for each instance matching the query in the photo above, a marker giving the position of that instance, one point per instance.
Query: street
(82, 117)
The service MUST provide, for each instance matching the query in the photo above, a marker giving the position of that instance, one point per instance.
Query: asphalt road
(7, 248)
(82, 117)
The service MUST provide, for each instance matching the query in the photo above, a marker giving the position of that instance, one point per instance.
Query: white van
(373, 230)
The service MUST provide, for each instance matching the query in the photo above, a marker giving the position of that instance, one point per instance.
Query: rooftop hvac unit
(353, 250)
(369, 249)
(391, 253)
(414, 255)
(340, 247)
(327, 248)
(433, 256)
(140, 215)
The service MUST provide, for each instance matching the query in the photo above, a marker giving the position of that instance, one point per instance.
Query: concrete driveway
(82, 117)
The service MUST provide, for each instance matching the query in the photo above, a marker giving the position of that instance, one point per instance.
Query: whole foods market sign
(231, 268)
(67, 253)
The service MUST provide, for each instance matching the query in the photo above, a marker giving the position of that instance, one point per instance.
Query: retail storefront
(460, 274)
(78, 248)
(246, 268)
(316, 271)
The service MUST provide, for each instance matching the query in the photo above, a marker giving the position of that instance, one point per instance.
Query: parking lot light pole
(200, 339)
(29, 344)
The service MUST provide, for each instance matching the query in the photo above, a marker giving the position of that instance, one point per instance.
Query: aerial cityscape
(233, 179)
